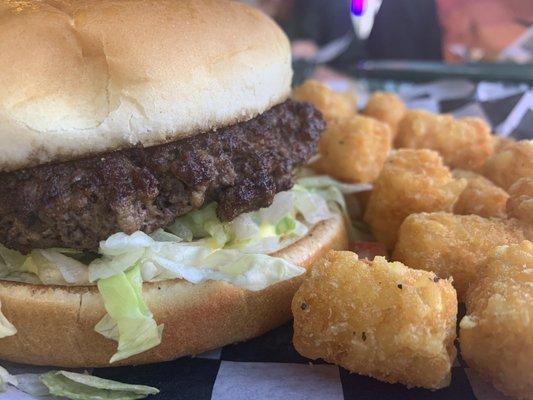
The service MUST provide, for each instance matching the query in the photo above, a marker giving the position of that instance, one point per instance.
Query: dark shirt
(403, 29)
(406, 29)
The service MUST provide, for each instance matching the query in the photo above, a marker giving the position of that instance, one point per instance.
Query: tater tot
(411, 181)
(453, 245)
(480, 197)
(463, 143)
(502, 143)
(331, 104)
(387, 108)
(354, 149)
(509, 165)
(496, 335)
(520, 203)
(378, 319)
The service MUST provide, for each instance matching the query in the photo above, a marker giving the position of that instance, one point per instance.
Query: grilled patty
(76, 204)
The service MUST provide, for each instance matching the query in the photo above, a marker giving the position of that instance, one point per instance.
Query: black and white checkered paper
(268, 367)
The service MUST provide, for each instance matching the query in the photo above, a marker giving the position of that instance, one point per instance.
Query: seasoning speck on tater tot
(411, 181)
(354, 149)
(387, 108)
(520, 203)
(463, 143)
(507, 166)
(453, 245)
(496, 335)
(378, 319)
(480, 197)
(331, 104)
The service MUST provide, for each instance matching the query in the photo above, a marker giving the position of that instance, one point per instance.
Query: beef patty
(76, 204)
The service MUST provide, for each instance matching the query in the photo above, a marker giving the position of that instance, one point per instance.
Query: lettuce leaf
(6, 378)
(198, 261)
(71, 270)
(333, 191)
(73, 386)
(324, 181)
(12, 259)
(31, 384)
(198, 224)
(137, 329)
(86, 387)
(6, 327)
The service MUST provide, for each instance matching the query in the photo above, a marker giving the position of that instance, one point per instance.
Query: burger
(151, 203)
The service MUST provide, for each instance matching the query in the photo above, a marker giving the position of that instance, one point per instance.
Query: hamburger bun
(56, 323)
(86, 77)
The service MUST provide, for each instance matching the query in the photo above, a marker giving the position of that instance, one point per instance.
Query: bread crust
(83, 77)
(56, 324)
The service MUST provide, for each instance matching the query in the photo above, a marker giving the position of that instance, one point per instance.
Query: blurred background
(468, 57)
(454, 31)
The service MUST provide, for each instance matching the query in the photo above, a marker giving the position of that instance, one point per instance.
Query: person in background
(403, 29)
(406, 29)
(481, 29)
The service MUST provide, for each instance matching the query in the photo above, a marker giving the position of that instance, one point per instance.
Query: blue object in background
(358, 7)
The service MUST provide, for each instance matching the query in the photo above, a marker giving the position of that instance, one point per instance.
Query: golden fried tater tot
(480, 197)
(386, 107)
(453, 245)
(463, 143)
(509, 165)
(377, 319)
(520, 204)
(502, 143)
(497, 332)
(331, 104)
(411, 181)
(354, 149)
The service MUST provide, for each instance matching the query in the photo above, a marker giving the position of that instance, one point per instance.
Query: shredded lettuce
(333, 192)
(42, 266)
(137, 329)
(6, 327)
(324, 181)
(73, 386)
(31, 384)
(86, 387)
(6, 379)
(197, 262)
(71, 270)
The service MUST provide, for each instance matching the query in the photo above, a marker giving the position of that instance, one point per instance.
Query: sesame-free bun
(81, 77)
(56, 323)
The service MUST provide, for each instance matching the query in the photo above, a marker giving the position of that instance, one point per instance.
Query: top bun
(84, 77)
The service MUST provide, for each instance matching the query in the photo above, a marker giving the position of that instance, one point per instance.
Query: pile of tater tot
(451, 207)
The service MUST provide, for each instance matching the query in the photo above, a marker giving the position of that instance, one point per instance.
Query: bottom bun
(56, 323)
